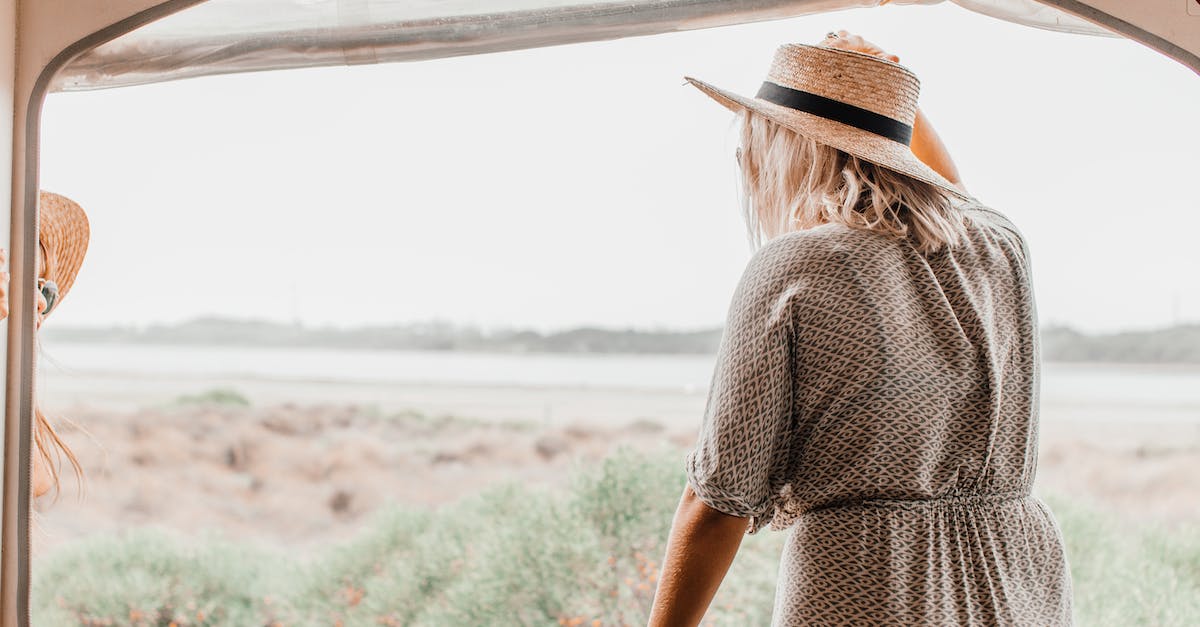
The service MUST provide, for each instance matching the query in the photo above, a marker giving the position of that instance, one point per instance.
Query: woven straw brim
(862, 144)
(63, 232)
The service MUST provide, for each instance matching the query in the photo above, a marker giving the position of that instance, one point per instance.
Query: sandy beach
(303, 465)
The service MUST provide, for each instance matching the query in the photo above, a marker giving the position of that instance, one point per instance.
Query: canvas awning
(226, 36)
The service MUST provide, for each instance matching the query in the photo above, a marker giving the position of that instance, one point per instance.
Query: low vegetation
(514, 555)
(217, 396)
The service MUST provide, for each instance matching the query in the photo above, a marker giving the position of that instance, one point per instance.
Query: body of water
(1175, 387)
(687, 372)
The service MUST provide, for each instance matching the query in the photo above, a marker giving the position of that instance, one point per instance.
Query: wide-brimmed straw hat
(858, 103)
(63, 233)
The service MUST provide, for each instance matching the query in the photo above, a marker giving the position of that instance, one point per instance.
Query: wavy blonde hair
(48, 446)
(790, 182)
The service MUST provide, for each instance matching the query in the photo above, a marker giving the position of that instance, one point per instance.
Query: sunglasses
(49, 290)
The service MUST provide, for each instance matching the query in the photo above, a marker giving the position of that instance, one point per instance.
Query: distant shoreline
(48, 345)
(1177, 345)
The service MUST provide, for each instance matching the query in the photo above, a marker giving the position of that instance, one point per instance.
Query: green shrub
(147, 577)
(217, 396)
(1124, 575)
(333, 585)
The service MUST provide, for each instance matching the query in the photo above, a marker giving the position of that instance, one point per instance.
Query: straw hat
(858, 103)
(63, 233)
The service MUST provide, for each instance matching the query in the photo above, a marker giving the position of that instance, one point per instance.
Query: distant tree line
(1178, 344)
(434, 336)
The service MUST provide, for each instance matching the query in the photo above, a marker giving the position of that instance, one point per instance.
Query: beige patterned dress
(883, 405)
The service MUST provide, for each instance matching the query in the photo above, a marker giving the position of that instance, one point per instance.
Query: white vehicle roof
(225, 36)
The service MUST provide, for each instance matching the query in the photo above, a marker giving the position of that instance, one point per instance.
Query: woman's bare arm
(702, 545)
(928, 147)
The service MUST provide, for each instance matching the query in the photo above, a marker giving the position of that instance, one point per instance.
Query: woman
(876, 389)
(63, 235)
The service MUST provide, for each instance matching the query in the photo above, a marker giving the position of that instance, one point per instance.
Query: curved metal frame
(16, 509)
(1117, 25)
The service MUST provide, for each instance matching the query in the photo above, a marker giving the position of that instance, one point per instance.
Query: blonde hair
(47, 444)
(51, 448)
(791, 182)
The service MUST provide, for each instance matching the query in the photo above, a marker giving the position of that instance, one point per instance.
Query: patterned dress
(882, 404)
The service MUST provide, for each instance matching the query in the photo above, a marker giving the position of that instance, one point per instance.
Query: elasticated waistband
(953, 500)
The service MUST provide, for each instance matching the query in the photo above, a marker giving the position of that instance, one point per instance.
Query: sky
(588, 185)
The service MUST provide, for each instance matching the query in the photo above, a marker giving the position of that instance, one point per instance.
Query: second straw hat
(858, 103)
(63, 233)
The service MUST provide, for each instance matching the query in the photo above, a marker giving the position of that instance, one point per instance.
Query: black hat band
(837, 111)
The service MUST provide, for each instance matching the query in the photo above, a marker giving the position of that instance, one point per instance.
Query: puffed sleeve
(738, 465)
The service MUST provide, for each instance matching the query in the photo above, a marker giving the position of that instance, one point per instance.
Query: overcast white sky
(586, 184)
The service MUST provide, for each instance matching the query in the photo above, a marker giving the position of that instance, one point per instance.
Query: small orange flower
(353, 595)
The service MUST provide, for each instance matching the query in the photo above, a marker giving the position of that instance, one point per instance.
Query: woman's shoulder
(988, 217)
(835, 248)
(829, 241)
(835, 256)
(975, 210)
